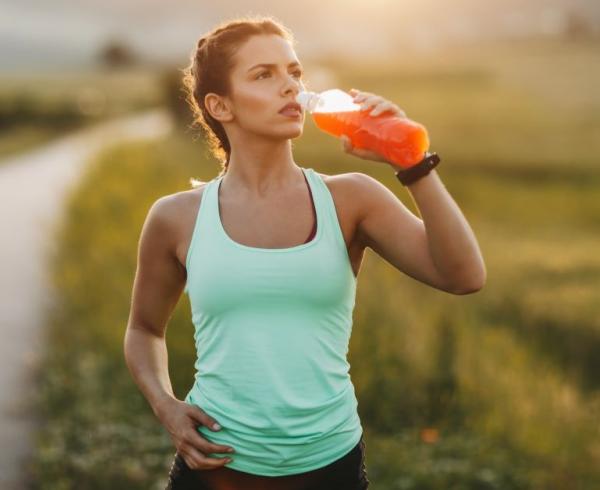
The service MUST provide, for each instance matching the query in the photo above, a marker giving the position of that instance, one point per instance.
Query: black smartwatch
(419, 170)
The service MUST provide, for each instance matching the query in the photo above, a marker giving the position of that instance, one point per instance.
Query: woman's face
(260, 92)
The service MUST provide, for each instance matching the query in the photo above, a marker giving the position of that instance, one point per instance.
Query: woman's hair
(209, 70)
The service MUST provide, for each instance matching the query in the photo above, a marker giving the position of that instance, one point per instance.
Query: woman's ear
(217, 107)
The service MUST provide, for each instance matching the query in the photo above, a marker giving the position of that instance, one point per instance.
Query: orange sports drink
(399, 140)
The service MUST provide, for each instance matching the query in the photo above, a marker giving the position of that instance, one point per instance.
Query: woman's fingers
(359, 95)
(387, 107)
(360, 152)
(347, 146)
(197, 460)
(369, 101)
(376, 106)
(196, 440)
(364, 97)
(376, 103)
(199, 415)
(381, 107)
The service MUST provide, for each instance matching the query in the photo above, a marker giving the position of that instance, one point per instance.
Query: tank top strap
(203, 225)
(211, 215)
(326, 211)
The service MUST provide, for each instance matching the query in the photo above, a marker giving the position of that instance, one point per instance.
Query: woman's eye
(297, 72)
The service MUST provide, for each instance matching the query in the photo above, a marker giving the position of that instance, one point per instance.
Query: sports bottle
(399, 140)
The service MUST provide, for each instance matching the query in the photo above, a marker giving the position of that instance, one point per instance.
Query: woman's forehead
(266, 50)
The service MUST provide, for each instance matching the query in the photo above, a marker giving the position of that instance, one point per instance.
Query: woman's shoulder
(344, 178)
(345, 186)
(180, 202)
(177, 212)
(179, 209)
(349, 195)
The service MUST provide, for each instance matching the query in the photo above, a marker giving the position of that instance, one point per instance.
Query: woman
(269, 253)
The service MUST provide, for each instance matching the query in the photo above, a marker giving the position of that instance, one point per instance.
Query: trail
(33, 189)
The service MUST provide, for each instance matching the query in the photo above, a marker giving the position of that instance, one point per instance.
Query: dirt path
(33, 187)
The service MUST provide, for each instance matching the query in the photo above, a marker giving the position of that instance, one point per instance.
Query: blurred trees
(171, 82)
(577, 26)
(27, 107)
(117, 54)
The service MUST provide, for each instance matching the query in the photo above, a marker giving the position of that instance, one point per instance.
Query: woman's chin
(292, 132)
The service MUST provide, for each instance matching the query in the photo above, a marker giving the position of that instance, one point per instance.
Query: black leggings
(346, 473)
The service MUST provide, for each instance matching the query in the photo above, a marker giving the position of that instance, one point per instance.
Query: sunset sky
(68, 32)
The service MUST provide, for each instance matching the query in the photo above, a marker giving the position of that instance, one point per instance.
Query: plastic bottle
(400, 141)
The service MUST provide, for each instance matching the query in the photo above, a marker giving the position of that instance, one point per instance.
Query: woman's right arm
(157, 287)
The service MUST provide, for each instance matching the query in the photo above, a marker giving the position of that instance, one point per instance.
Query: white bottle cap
(308, 100)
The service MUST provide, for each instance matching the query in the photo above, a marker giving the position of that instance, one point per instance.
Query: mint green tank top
(272, 329)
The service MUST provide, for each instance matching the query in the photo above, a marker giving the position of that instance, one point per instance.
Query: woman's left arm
(451, 240)
(440, 249)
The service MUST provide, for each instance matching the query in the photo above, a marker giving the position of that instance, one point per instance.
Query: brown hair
(209, 71)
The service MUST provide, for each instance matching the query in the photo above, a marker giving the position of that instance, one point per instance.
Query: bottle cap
(308, 100)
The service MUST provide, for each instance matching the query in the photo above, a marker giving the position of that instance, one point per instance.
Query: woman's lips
(291, 112)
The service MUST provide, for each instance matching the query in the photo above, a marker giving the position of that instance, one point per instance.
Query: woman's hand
(181, 420)
(377, 105)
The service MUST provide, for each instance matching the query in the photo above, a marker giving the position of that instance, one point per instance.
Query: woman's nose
(293, 78)
(294, 84)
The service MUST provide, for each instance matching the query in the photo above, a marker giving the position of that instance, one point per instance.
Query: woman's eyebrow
(271, 65)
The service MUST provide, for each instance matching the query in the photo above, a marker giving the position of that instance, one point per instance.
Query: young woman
(269, 253)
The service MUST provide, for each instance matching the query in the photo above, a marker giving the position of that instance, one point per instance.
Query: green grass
(37, 109)
(505, 379)
(121, 89)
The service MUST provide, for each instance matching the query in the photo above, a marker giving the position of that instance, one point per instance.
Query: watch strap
(414, 173)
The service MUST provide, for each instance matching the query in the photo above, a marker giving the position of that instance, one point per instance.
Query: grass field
(496, 390)
(37, 108)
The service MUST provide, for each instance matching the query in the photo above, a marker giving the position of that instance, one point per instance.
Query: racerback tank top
(272, 330)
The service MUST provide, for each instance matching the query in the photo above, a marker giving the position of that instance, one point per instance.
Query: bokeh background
(494, 390)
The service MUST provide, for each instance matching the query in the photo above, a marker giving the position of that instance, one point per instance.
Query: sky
(55, 34)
